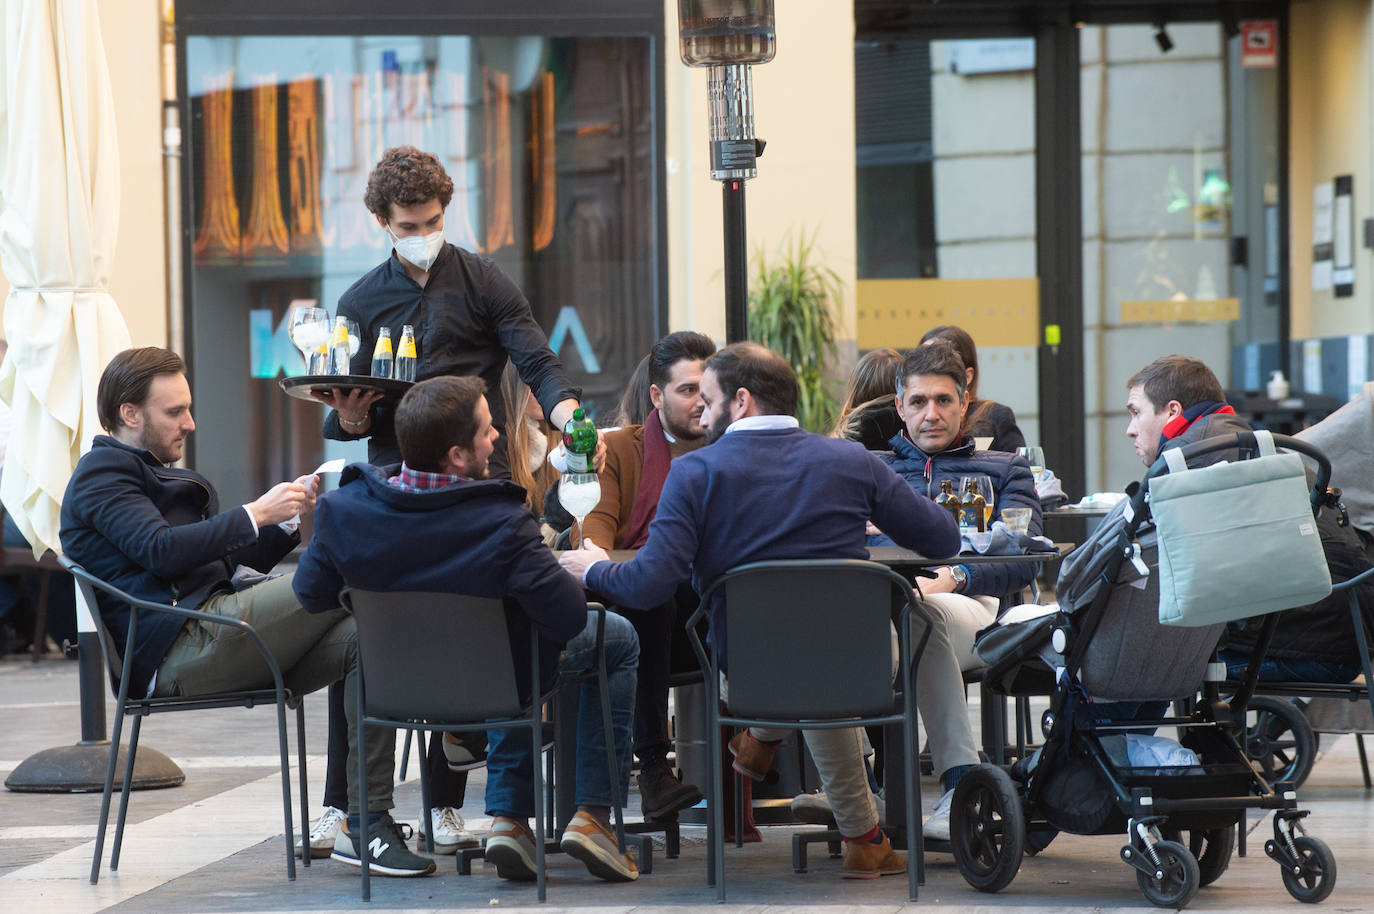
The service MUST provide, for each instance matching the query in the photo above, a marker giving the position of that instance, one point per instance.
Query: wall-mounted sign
(991, 55)
(1259, 43)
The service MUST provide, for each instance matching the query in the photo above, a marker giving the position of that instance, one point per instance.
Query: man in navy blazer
(766, 489)
(156, 531)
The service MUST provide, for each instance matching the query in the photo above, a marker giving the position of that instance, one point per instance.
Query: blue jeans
(1276, 669)
(510, 757)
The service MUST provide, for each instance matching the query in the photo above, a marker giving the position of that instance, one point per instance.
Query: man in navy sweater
(437, 523)
(963, 599)
(766, 489)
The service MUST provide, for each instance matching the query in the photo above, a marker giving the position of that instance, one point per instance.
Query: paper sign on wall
(1323, 202)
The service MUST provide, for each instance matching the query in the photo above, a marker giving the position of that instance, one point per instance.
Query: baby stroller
(1105, 644)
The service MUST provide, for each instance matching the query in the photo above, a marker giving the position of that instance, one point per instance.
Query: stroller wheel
(987, 828)
(1318, 876)
(1211, 848)
(1279, 737)
(1178, 880)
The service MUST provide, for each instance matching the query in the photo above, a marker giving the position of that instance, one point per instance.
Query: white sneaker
(322, 835)
(450, 831)
(937, 826)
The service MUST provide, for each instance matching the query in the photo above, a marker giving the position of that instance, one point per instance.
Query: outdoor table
(903, 561)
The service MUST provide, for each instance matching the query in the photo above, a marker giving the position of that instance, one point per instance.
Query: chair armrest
(137, 604)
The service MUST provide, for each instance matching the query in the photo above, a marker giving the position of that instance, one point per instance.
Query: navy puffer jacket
(1011, 481)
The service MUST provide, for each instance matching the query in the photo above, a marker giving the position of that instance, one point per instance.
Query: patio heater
(728, 36)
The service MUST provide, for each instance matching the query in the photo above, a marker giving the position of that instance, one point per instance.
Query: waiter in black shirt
(468, 316)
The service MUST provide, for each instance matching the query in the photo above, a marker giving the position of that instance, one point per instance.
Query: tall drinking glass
(579, 493)
(1035, 456)
(309, 331)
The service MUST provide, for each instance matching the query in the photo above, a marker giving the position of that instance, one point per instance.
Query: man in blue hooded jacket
(436, 523)
(931, 400)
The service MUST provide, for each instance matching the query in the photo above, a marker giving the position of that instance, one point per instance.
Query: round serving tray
(301, 386)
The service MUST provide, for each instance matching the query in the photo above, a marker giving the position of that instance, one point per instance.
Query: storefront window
(550, 142)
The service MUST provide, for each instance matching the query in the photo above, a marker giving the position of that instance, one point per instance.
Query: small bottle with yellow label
(405, 355)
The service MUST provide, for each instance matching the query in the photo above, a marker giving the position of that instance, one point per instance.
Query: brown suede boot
(753, 758)
(866, 860)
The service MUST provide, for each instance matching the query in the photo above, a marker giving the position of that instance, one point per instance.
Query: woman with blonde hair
(529, 438)
(869, 414)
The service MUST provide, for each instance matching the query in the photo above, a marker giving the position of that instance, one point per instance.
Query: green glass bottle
(579, 440)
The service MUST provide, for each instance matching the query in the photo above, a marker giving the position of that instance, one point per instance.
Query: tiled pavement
(214, 844)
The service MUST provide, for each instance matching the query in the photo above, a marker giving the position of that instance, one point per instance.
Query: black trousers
(663, 650)
(446, 786)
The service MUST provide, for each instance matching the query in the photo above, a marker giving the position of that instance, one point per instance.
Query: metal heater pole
(736, 263)
(734, 155)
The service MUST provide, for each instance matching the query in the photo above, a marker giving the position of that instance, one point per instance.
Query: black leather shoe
(662, 795)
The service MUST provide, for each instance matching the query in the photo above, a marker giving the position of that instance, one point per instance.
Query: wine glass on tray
(309, 331)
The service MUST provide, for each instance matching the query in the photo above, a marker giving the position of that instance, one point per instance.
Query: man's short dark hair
(127, 379)
(1177, 377)
(673, 348)
(434, 416)
(406, 176)
(939, 357)
(759, 370)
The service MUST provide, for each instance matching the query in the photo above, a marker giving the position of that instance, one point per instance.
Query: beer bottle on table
(405, 355)
(579, 440)
(947, 499)
(381, 355)
(973, 510)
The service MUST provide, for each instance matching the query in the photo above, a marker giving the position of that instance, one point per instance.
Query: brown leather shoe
(866, 860)
(753, 758)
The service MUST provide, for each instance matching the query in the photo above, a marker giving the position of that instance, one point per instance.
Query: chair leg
(106, 794)
(125, 791)
(300, 764)
(540, 834)
(285, 749)
(739, 807)
(424, 785)
(40, 615)
(612, 762)
(405, 756)
(364, 852)
(915, 833)
(717, 838)
(1364, 760)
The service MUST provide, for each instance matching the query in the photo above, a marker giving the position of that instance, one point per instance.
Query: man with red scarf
(1177, 399)
(637, 459)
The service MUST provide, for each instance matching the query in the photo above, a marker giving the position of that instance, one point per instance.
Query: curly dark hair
(406, 176)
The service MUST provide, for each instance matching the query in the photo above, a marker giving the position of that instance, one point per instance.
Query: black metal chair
(809, 646)
(444, 662)
(142, 706)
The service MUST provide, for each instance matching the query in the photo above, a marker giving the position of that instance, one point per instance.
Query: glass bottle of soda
(973, 510)
(381, 354)
(405, 355)
(579, 440)
(947, 499)
(338, 347)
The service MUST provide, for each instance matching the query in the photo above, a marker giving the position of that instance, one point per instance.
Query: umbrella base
(81, 769)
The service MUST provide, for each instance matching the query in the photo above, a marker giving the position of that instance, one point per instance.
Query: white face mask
(420, 250)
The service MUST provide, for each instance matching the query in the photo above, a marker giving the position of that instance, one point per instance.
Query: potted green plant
(790, 306)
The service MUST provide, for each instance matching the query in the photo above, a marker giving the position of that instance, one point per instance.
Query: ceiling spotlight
(1166, 44)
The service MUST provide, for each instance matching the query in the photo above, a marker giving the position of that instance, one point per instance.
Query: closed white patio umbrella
(59, 213)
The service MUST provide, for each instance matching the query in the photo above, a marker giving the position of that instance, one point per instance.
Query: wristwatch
(960, 575)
